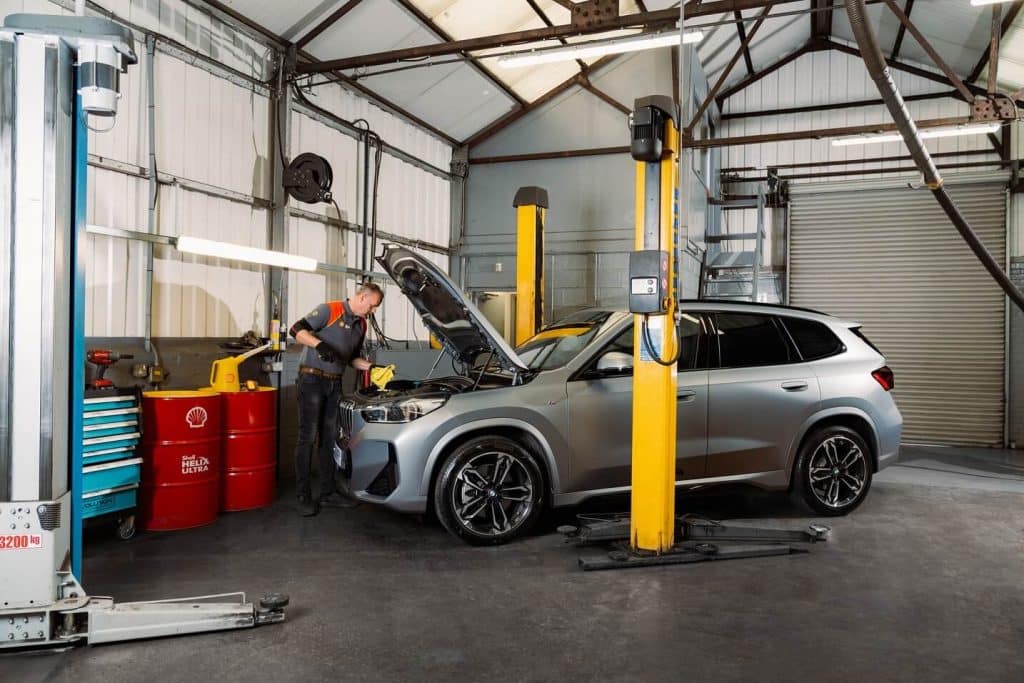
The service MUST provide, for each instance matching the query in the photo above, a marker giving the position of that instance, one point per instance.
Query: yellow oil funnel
(224, 372)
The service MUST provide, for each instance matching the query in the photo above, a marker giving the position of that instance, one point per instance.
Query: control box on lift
(648, 282)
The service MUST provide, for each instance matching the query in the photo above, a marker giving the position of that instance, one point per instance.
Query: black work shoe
(337, 500)
(306, 506)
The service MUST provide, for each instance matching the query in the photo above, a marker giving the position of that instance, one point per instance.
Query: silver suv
(772, 396)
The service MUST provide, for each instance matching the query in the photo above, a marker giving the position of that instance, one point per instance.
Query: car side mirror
(615, 361)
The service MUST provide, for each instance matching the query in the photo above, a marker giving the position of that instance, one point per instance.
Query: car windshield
(556, 345)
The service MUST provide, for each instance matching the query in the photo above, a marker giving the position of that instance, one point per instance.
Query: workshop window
(813, 339)
(745, 340)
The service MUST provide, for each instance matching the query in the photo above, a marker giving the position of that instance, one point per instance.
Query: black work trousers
(318, 426)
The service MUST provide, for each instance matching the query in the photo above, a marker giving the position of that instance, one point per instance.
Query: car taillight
(883, 376)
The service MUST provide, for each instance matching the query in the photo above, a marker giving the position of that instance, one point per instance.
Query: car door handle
(794, 386)
(686, 396)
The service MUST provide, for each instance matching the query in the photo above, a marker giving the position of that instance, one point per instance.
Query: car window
(693, 338)
(555, 346)
(813, 339)
(746, 339)
(694, 354)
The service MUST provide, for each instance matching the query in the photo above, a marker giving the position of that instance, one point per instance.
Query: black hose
(879, 71)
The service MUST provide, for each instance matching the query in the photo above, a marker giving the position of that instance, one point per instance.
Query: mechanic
(333, 333)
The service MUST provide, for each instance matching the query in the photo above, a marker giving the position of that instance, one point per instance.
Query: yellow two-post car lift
(652, 533)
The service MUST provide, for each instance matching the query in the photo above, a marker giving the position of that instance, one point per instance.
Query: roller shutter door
(888, 257)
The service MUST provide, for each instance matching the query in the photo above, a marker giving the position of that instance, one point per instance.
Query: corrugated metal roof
(460, 96)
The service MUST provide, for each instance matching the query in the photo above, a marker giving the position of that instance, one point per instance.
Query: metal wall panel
(889, 259)
(828, 77)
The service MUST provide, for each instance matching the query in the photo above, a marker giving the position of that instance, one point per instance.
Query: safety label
(20, 541)
(655, 327)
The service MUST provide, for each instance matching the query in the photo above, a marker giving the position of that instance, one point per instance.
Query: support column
(531, 204)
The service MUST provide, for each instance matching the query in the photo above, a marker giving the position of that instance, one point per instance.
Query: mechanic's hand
(380, 375)
(326, 353)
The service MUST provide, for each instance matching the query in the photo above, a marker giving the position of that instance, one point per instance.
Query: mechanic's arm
(360, 363)
(303, 334)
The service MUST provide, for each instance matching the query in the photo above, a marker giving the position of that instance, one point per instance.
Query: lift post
(653, 285)
(55, 71)
(652, 534)
(531, 204)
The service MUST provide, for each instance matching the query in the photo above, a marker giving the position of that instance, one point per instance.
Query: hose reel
(308, 179)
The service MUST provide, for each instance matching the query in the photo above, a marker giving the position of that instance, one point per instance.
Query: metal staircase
(735, 273)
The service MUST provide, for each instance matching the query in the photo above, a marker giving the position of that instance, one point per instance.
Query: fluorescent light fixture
(979, 3)
(598, 48)
(236, 252)
(945, 132)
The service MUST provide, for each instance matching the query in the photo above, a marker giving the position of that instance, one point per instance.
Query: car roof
(742, 307)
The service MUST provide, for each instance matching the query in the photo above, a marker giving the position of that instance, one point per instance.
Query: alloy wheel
(492, 494)
(838, 472)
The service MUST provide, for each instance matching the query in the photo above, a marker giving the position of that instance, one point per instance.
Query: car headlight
(405, 410)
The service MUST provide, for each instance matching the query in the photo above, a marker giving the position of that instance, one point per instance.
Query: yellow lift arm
(531, 204)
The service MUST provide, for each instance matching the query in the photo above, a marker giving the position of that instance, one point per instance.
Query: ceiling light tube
(979, 3)
(598, 49)
(235, 252)
(945, 132)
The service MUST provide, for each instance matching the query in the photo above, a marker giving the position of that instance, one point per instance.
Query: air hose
(867, 41)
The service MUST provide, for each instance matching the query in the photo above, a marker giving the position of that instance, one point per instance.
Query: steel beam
(591, 88)
(538, 156)
(688, 131)
(547, 22)
(741, 32)
(876, 171)
(1011, 14)
(901, 31)
(810, 46)
(660, 18)
(443, 35)
(907, 68)
(927, 47)
(820, 133)
(993, 50)
(835, 105)
(337, 14)
(821, 18)
(847, 162)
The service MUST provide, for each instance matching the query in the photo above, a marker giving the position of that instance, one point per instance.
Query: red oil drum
(181, 447)
(250, 449)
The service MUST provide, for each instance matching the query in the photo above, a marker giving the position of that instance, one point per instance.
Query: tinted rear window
(745, 340)
(856, 331)
(813, 339)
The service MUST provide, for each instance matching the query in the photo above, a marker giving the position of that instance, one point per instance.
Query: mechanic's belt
(306, 370)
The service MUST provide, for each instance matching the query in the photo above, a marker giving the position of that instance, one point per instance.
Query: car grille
(346, 411)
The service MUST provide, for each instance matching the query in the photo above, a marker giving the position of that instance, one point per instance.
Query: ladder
(735, 273)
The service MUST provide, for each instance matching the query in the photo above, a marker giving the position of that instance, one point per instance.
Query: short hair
(370, 287)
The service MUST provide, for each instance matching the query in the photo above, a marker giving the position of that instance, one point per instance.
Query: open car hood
(460, 327)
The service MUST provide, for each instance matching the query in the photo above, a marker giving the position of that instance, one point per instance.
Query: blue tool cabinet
(110, 469)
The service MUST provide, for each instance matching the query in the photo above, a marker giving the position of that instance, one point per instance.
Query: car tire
(490, 490)
(833, 470)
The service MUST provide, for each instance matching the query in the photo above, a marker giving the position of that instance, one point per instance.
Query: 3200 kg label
(20, 541)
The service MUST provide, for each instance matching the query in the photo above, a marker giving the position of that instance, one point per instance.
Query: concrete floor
(923, 582)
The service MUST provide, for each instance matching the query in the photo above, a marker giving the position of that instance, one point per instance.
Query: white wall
(217, 132)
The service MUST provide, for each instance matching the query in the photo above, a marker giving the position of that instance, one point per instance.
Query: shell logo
(196, 417)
